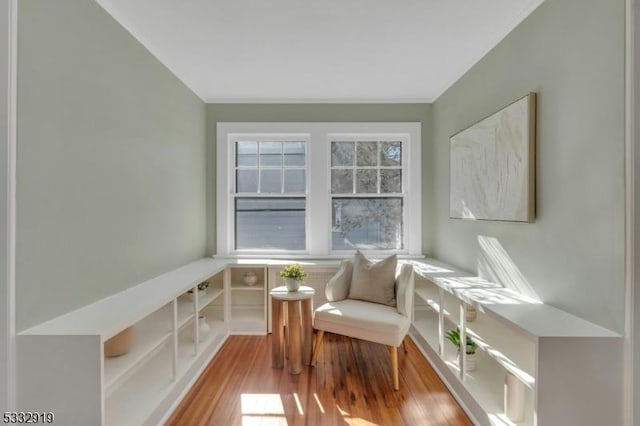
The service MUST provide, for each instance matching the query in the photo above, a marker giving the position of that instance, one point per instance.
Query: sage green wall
(635, 329)
(314, 113)
(111, 161)
(571, 52)
(5, 311)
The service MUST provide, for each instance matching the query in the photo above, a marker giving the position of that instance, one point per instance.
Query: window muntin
(265, 170)
(360, 169)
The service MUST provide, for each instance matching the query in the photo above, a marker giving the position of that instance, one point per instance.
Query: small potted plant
(202, 290)
(470, 348)
(293, 275)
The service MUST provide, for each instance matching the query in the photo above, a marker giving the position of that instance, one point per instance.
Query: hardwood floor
(350, 385)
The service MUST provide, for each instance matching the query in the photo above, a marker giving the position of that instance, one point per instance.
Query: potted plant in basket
(293, 275)
(470, 348)
(202, 289)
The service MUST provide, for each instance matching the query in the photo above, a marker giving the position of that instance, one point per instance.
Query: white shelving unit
(557, 356)
(561, 358)
(64, 370)
(62, 366)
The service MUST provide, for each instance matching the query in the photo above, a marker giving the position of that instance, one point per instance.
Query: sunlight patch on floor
(315, 396)
(298, 404)
(356, 421)
(262, 409)
(264, 403)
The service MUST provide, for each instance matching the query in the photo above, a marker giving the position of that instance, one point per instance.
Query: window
(318, 188)
(367, 196)
(270, 188)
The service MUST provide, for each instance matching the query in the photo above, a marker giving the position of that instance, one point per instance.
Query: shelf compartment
(486, 386)
(212, 294)
(506, 346)
(237, 277)
(186, 344)
(203, 299)
(149, 334)
(426, 324)
(248, 320)
(185, 311)
(432, 301)
(138, 397)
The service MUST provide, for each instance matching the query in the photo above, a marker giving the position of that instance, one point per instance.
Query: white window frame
(264, 137)
(318, 137)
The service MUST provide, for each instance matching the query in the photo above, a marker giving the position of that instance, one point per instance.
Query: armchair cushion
(362, 320)
(374, 281)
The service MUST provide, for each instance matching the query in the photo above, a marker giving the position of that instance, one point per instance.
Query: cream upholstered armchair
(363, 310)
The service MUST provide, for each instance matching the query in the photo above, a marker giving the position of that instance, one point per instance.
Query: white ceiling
(319, 51)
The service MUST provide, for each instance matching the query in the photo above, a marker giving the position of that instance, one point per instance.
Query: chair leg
(316, 350)
(394, 366)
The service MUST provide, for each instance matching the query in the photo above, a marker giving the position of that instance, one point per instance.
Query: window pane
(366, 181)
(367, 153)
(390, 180)
(342, 181)
(391, 153)
(271, 154)
(270, 180)
(294, 180)
(367, 223)
(294, 153)
(246, 153)
(342, 154)
(270, 223)
(246, 181)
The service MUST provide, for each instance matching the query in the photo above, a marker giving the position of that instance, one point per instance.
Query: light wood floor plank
(351, 384)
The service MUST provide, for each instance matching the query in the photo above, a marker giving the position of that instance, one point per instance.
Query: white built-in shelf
(540, 320)
(248, 319)
(131, 403)
(509, 348)
(530, 316)
(136, 398)
(516, 334)
(426, 323)
(185, 312)
(244, 287)
(131, 305)
(149, 335)
(426, 294)
(486, 385)
(203, 299)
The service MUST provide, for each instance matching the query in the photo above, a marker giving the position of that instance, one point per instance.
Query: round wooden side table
(299, 305)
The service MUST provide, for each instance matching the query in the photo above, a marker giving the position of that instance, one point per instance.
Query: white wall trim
(629, 167)
(7, 286)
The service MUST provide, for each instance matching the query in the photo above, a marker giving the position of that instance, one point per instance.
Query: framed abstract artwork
(492, 166)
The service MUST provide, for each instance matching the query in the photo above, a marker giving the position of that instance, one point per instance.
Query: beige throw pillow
(374, 282)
